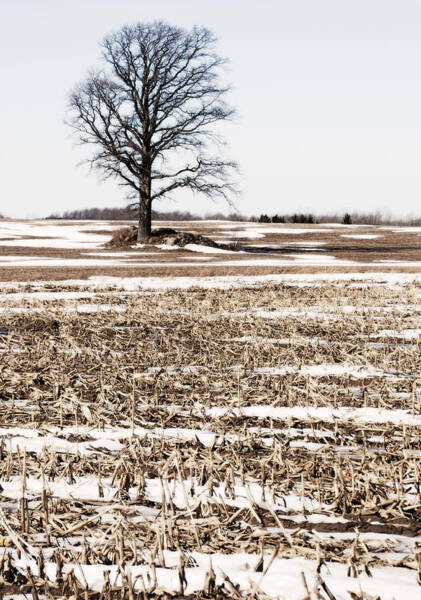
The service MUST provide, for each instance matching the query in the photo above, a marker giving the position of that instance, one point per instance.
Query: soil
(31, 274)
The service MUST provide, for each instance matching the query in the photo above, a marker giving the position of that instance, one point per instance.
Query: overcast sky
(328, 94)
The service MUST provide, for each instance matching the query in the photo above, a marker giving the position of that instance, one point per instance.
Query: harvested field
(62, 250)
(256, 435)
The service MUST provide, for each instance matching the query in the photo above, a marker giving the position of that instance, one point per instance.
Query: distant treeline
(127, 214)
(347, 219)
(296, 218)
(373, 218)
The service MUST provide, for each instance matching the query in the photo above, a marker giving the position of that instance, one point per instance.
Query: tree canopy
(150, 114)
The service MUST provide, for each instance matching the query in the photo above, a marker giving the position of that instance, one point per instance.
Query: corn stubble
(161, 363)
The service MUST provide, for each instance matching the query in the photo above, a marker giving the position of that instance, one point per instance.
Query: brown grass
(32, 274)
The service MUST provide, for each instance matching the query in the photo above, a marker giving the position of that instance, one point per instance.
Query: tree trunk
(145, 203)
(145, 219)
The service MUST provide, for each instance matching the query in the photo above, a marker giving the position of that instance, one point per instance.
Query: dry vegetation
(61, 250)
(159, 436)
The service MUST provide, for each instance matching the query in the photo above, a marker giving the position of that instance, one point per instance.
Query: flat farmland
(193, 423)
(59, 250)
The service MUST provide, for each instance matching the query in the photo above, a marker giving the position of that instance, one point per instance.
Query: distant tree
(150, 114)
(347, 220)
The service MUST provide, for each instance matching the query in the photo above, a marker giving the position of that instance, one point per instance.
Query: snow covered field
(75, 249)
(210, 437)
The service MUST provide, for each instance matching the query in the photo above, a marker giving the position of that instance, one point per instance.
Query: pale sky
(328, 94)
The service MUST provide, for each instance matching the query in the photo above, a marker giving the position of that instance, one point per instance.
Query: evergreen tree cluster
(295, 218)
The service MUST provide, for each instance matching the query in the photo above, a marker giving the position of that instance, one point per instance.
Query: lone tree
(150, 114)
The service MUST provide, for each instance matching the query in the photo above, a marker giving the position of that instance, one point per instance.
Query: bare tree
(150, 114)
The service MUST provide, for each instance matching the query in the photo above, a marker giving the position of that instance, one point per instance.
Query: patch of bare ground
(376, 254)
(21, 274)
(22, 250)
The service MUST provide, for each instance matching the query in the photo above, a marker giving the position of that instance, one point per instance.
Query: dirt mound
(123, 238)
(126, 237)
